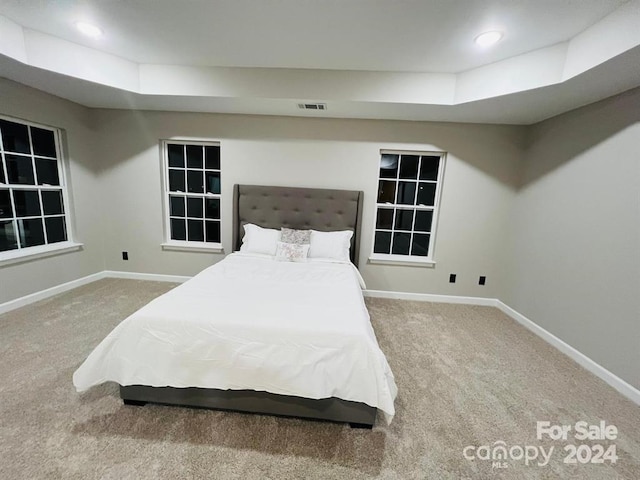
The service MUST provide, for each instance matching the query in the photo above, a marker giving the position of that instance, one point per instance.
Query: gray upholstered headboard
(302, 208)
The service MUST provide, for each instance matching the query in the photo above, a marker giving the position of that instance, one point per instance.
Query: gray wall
(21, 279)
(479, 186)
(549, 213)
(575, 257)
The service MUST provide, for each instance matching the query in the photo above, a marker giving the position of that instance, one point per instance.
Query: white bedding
(298, 329)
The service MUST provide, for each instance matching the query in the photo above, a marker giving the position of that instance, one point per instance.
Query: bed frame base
(358, 415)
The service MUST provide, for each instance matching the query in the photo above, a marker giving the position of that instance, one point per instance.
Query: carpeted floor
(466, 376)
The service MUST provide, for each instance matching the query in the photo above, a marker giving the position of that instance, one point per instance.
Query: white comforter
(298, 329)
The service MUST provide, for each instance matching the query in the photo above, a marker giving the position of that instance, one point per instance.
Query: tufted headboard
(302, 208)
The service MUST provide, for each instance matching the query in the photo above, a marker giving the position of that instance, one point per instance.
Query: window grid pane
(44, 142)
(8, 236)
(55, 230)
(195, 156)
(175, 154)
(195, 230)
(212, 157)
(31, 232)
(15, 137)
(178, 229)
(408, 189)
(32, 210)
(212, 230)
(193, 192)
(6, 209)
(19, 170)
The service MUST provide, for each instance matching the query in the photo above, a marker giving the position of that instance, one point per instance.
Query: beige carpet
(466, 375)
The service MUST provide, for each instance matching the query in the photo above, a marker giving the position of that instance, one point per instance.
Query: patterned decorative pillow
(299, 237)
(291, 252)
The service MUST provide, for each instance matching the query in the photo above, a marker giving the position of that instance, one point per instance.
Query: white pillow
(331, 245)
(259, 240)
(292, 252)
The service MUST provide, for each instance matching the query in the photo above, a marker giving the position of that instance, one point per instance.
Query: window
(409, 186)
(34, 217)
(192, 194)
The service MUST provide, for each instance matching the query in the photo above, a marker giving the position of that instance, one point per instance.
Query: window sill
(192, 247)
(401, 260)
(12, 257)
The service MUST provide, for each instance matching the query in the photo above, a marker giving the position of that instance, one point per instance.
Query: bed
(285, 338)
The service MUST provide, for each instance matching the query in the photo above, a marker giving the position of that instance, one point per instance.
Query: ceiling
(400, 59)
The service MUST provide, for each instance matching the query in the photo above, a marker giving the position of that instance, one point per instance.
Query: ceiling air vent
(312, 106)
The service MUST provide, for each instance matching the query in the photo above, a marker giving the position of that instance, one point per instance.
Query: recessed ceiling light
(89, 30)
(487, 39)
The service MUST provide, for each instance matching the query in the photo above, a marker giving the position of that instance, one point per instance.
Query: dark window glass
(385, 218)
(27, 170)
(389, 166)
(52, 202)
(427, 194)
(5, 204)
(196, 230)
(213, 231)
(2, 179)
(44, 143)
(420, 245)
(404, 219)
(20, 170)
(56, 231)
(176, 180)
(212, 157)
(406, 181)
(198, 177)
(423, 221)
(401, 243)
(15, 137)
(27, 203)
(31, 232)
(194, 156)
(195, 181)
(176, 155)
(409, 166)
(8, 238)
(213, 182)
(429, 168)
(47, 171)
(178, 229)
(386, 191)
(382, 243)
(176, 205)
(194, 207)
(406, 193)
(212, 208)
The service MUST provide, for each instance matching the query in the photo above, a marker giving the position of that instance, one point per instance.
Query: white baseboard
(598, 370)
(581, 359)
(427, 297)
(155, 277)
(49, 292)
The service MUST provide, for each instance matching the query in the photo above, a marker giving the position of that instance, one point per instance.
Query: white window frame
(397, 259)
(186, 245)
(22, 254)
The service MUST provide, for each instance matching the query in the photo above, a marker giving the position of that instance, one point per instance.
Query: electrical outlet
(452, 278)
(482, 280)
(125, 255)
